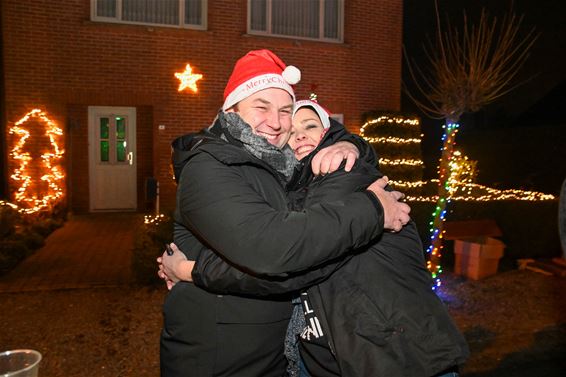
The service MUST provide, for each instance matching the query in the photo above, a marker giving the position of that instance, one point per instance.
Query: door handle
(131, 158)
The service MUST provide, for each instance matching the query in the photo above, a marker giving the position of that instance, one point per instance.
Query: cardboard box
(477, 257)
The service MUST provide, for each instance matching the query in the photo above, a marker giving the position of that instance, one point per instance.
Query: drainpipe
(3, 149)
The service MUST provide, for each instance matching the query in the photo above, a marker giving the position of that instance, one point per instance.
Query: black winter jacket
(378, 307)
(236, 205)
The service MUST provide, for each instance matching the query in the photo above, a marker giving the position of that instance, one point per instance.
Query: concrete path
(89, 250)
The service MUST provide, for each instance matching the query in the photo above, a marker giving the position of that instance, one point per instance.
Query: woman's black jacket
(377, 304)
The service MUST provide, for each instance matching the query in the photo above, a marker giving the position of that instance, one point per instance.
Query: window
(308, 19)
(176, 13)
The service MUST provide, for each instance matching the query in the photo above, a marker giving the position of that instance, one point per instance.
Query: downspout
(3, 148)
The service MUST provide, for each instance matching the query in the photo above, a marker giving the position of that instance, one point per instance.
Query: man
(231, 199)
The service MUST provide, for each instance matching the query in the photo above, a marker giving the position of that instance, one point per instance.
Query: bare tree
(468, 69)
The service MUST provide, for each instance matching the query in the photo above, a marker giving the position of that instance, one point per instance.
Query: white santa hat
(322, 113)
(258, 70)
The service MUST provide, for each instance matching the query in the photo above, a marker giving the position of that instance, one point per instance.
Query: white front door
(112, 158)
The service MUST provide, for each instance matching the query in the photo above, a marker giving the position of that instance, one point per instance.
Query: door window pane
(104, 151)
(104, 131)
(121, 151)
(120, 128)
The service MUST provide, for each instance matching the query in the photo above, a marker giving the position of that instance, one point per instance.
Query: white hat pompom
(291, 74)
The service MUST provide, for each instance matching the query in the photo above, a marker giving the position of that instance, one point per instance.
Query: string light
(153, 219)
(455, 182)
(392, 140)
(385, 119)
(402, 161)
(11, 205)
(188, 79)
(32, 203)
(479, 193)
(406, 184)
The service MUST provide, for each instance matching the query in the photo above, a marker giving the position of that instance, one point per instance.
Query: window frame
(181, 25)
(268, 32)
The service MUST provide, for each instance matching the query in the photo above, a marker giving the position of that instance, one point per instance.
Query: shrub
(11, 253)
(150, 239)
(22, 234)
(9, 219)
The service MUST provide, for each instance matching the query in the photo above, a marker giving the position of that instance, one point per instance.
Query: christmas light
(384, 119)
(188, 79)
(392, 140)
(153, 219)
(402, 161)
(31, 202)
(11, 205)
(456, 181)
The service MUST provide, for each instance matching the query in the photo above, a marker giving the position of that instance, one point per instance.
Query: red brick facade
(58, 60)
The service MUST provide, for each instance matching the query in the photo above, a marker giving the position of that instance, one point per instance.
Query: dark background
(519, 141)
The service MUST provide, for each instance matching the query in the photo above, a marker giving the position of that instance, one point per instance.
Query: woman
(372, 313)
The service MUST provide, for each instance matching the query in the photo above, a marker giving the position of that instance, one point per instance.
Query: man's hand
(395, 213)
(329, 159)
(175, 267)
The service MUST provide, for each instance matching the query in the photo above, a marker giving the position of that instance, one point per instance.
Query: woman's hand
(175, 267)
(395, 212)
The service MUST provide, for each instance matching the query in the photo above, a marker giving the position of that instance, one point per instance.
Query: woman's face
(306, 133)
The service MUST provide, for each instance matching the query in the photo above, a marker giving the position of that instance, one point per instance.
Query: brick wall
(55, 58)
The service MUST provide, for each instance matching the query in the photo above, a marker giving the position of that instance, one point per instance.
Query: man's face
(306, 133)
(268, 112)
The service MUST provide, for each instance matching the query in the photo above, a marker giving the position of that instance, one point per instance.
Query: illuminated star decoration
(53, 175)
(188, 79)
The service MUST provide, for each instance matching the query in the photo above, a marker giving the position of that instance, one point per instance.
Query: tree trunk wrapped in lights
(468, 69)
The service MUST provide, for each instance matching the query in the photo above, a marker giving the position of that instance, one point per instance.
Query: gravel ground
(515, 323)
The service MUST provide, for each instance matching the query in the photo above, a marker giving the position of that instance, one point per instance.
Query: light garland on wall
(53, 177)
(188, 79)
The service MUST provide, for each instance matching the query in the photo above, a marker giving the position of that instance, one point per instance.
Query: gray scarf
(282, 160)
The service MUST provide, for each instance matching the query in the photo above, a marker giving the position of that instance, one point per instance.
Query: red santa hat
(322, 113)
(258, 70)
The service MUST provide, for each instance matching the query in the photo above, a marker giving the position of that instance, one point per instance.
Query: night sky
(543, 71)
(546, 66)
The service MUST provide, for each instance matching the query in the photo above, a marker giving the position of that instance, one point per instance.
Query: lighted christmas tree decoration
(188, 79)
(395, 136)
(396, 139)
(470, 66)
(28, 195)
